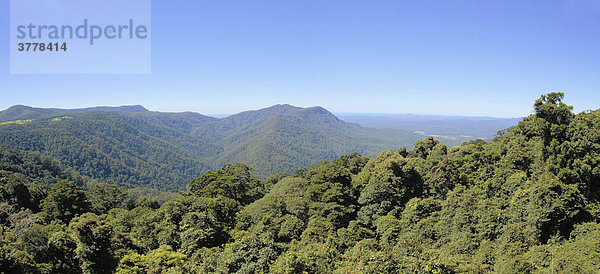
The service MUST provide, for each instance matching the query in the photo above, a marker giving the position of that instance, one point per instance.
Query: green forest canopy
(528, 201)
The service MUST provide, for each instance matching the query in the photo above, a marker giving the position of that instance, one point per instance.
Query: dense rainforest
(527, 201)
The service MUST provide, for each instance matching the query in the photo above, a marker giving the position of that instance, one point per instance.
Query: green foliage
(387, 182)
(443, 179)
(312, 257)
(232, 181)
(281, 214)
(160, 260)
(35, 167)
(547, 208)
(366, 257)
(527, 201)
(551, 108)
(330, 194)
(64, 201)
(104, 197)
(249, 254)
(95, 244)
(13, 260)
(14, 191)
(194, 222)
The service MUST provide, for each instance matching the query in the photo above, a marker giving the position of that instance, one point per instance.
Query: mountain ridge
(23, 112)
(133, 146)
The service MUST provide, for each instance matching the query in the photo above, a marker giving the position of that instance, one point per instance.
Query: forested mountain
(528, 201)
(131, 146)
(110, 146)
(20, 112)
(37, 168)
(284, 138)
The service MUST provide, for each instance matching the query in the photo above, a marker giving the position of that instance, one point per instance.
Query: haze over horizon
(223, 115)
(465, 58)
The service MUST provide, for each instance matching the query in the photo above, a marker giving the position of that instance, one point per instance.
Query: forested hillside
(133, 147)
(527, 201)
(38, 168)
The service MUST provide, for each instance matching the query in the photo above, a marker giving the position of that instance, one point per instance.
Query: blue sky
(490, 58)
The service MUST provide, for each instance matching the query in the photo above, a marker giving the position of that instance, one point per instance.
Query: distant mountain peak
(131, 108)
(317, 109)
(18, 107)
(21, 112)
(286, 108)
(281, 108)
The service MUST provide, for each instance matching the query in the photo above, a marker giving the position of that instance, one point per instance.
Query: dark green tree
(64, 201)
(232, 181)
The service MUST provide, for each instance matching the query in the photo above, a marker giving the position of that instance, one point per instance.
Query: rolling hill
(132, 146)
(455, 127)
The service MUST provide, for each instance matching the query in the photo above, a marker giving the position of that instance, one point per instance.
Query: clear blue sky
(475, 57)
